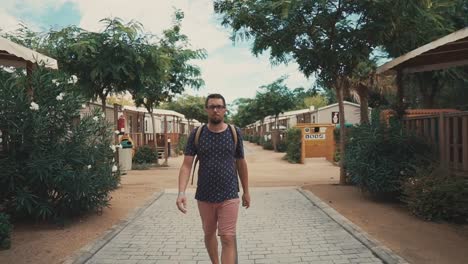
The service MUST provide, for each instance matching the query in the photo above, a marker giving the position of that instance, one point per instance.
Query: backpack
(197, 139)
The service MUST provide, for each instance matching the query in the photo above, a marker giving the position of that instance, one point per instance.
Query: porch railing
(448, 132)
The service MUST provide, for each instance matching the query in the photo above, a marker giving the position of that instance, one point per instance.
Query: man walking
(218, 186)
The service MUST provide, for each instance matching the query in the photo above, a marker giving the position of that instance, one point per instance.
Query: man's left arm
(244, 178)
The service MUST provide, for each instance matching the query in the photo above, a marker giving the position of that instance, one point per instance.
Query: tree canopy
(106, 62)
(192, 107)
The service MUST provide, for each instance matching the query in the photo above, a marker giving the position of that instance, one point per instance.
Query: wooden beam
(435, 66)
(451, 38)
(465, 142)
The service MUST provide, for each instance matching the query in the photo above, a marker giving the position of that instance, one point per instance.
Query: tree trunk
(103, 103)
(165, 141)
(261, 134)
(364, 107)
(155, 142)
(428, 87)
(400, 107)
(339, 87)
(275, 135)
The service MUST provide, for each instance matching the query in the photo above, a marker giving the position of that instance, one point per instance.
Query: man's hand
(246, 200)
(182, 203)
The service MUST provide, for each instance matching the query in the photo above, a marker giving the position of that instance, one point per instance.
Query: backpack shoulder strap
(234, 134)
(197, 135)
(196, 141)
(235, 137)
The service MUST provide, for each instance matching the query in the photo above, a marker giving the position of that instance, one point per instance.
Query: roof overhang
(446, 52)
(15, 55)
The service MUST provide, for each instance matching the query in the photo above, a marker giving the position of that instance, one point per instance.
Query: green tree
(171, 71)
(106, 62)
(192, 107)
(27, 38)
(246, 112)
(409, 25)
(316, 101)
(327, 38)
(275, 99)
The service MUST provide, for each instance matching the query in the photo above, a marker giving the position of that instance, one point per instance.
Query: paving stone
(282, 226)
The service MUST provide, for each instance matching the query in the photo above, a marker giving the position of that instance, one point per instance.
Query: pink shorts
(221, 216)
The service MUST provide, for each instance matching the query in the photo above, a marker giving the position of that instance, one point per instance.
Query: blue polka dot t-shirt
(217, 178)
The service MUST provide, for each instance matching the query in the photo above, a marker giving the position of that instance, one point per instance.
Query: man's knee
(227, 240)
(210, 234)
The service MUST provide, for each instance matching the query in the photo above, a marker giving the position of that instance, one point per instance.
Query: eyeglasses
(217, 107)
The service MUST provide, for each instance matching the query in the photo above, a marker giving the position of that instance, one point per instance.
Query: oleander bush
(54, 163)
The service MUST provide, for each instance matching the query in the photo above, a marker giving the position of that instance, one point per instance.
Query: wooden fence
(448, 132)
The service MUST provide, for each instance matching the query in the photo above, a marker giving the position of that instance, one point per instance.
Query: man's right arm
(184, 176)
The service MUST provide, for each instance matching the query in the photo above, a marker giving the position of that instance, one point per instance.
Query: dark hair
(214, 96)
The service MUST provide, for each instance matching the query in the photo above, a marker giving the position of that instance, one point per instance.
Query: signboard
(317, 141)
(335, 117)
(314, 137)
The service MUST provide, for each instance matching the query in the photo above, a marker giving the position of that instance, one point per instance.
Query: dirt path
(415, 240)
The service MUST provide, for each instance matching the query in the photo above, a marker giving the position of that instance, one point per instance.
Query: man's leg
(227, 221)
(209, 222)
(229, 250)
(211, 244)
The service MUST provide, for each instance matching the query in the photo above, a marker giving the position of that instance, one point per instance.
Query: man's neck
(217, 127)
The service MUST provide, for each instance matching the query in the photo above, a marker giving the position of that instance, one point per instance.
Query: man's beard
(215, 121)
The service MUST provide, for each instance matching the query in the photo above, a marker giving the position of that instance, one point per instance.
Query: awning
(15, 55)
(446, 52)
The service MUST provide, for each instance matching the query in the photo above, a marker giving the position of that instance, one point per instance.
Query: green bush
(260, 140)
(434, 193)
(378, 157)
(55, 164)
(141, 166)
(145, 154)
(268, 145)
(293, 142)
(181, 145)
(255, 139)
(337, 156)
(5, 231)
(282, 146)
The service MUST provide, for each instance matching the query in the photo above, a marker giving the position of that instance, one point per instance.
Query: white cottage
(330, 114)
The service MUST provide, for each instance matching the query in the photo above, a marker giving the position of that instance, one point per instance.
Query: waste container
(126, 153)
(125, 159)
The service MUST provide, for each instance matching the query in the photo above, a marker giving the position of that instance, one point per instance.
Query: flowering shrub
(54, 164)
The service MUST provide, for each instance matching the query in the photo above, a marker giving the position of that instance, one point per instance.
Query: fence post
(442, 144)
(464, 136)
(455, 142)
(116, 136)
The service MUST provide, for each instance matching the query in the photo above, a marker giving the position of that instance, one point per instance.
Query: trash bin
(126, 153)
(125, 159)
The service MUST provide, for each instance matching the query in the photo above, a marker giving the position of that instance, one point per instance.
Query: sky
(229, 69)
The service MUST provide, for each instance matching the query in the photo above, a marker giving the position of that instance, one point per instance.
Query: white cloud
(231, 71)
(7, 22)
(234, 73)
(241, 75)
(157, 16)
